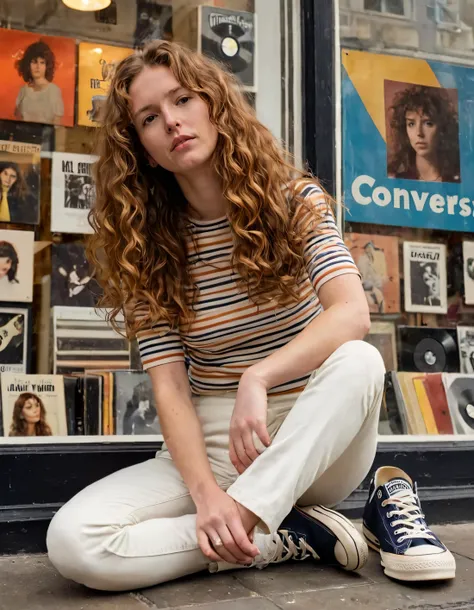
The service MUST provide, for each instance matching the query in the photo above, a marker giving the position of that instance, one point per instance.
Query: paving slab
(458, 538)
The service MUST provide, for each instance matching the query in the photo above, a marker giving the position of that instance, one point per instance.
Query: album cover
(415, 420)
(436, 393)
(16, 265)
(392, 417)
(460, 395)
(72, 192)
(466, 349)
(72, 277)
(28, 133)
(39, 76)
(382, 336)
(73, 392)
(14, 339)
(97, 63)
(93, 399)
(20, 182)
(428, 350)
(425, 277)
(424, 404)
(154, 22)
(84, 340)
(134, 404)
(376, 257)
(33, 405)
(229, 37)
(468, 260)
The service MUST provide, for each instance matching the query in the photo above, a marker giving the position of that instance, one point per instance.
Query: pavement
(29, 582)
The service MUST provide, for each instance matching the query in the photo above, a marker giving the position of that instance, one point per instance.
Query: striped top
(230, 332)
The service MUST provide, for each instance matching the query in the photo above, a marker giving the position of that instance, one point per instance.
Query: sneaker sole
(350, 551)
(441, 566)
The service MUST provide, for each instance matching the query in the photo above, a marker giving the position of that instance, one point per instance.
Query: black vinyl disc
(466, 407)
(428, 350)
(429, 356)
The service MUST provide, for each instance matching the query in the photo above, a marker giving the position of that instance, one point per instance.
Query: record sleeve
(83, 340)
(16, 265)
(428, 350)
(376, 257)
(72, 278)
(425, 277)
(19, 182)
(396, 407)
(14, 339)
(33, 405)
(93, 398)
(460, 395)
(425, 406)
(228, 36)
(134, 404)
(468, 266)
(436, 393)
(72, 192)
(382, 337)
(416, 422)
(466, 348)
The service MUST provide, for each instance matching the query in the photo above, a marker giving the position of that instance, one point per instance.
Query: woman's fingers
(242, 539)
(249, 446)
(240, 451)
(231, 547)
(262, 433)
(234, 459)
(205, 546)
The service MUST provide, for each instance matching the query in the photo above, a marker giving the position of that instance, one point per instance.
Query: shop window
(439, 12)
(394, 7)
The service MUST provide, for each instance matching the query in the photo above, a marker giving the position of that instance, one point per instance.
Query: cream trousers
(137, 527)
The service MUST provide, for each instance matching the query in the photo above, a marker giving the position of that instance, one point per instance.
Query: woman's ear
(151, 161)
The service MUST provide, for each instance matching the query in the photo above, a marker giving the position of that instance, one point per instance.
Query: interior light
(87, 5)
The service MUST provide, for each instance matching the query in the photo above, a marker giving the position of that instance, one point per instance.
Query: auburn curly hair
(436, 103)
(19, 426)
(36, 50)
(139, 218)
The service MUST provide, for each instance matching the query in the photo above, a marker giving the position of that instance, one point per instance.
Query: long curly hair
(19, 426)
(19, 188)
(36, 50)
(8, 251)
(139, 218)
(437, 104)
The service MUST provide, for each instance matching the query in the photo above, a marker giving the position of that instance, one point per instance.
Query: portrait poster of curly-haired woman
(16, 265)
(41, 75)
(33, 405)
(422, 132)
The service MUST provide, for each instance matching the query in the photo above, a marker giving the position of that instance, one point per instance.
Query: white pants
(137, 527)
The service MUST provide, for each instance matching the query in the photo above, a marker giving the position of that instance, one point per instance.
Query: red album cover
(437, 396)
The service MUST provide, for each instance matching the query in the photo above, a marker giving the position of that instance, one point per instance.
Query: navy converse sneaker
(320, 533)
(395, 526)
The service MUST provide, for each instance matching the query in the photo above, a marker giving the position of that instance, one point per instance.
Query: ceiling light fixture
(87, 5)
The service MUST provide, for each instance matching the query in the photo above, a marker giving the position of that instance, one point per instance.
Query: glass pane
(395, 6)
(373, 5)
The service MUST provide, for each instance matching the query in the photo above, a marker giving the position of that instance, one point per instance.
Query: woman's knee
(363, 360)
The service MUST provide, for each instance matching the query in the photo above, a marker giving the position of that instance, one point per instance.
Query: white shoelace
(408, 512)
(288, 548)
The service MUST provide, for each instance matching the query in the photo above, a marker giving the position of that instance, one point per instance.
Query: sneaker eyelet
(389, 514)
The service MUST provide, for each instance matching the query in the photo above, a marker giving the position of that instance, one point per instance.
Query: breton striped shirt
(230, 332)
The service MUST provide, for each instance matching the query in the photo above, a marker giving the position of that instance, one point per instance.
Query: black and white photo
(72, 279)
(16, 265)
(134, 405)
(468, 261)
(466, 349)
(13, 340)
(425, 277)
(72, 192)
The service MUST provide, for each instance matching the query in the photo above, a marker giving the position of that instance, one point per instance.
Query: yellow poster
(97, 63)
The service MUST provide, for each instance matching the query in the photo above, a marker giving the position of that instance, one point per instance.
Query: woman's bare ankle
(249, 519)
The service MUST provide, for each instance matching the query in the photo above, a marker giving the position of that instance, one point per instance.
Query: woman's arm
(345, 318)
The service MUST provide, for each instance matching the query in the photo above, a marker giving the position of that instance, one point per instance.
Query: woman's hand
(248, 423)
(220, 532)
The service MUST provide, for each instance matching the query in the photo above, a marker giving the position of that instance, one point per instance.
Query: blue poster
(408, 142)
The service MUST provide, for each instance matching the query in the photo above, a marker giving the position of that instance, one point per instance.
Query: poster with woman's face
(33, 405)
(19, 182)
(407, 141)
(97, 63)
(425, 277)
(41, 76)
(16, 265)
(14, 339)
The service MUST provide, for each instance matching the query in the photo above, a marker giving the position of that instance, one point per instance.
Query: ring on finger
(217, 542)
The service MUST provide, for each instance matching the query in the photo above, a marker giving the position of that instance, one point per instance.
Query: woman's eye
(183, 100)
(149, 119)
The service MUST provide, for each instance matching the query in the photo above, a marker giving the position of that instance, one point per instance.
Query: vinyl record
(428, 350)
(466, 406)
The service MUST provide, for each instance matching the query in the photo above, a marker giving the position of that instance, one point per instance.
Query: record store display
(14, 339)
(428, 350)
(425, 277)
(229, 37)
(134, 409)
(460, 394)
(16, 265)
(466, 348)
(72, 278)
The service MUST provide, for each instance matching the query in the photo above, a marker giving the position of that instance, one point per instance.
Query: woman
(425, 136)
(40, 100)
(222, 257)
(8, 265)
(29, 417)
(15, 194)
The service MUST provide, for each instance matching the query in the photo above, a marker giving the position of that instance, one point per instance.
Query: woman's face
(8, 177)
(38, 68)
(31, 411)
(172, 122)
(421, 131)
(5, 266)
